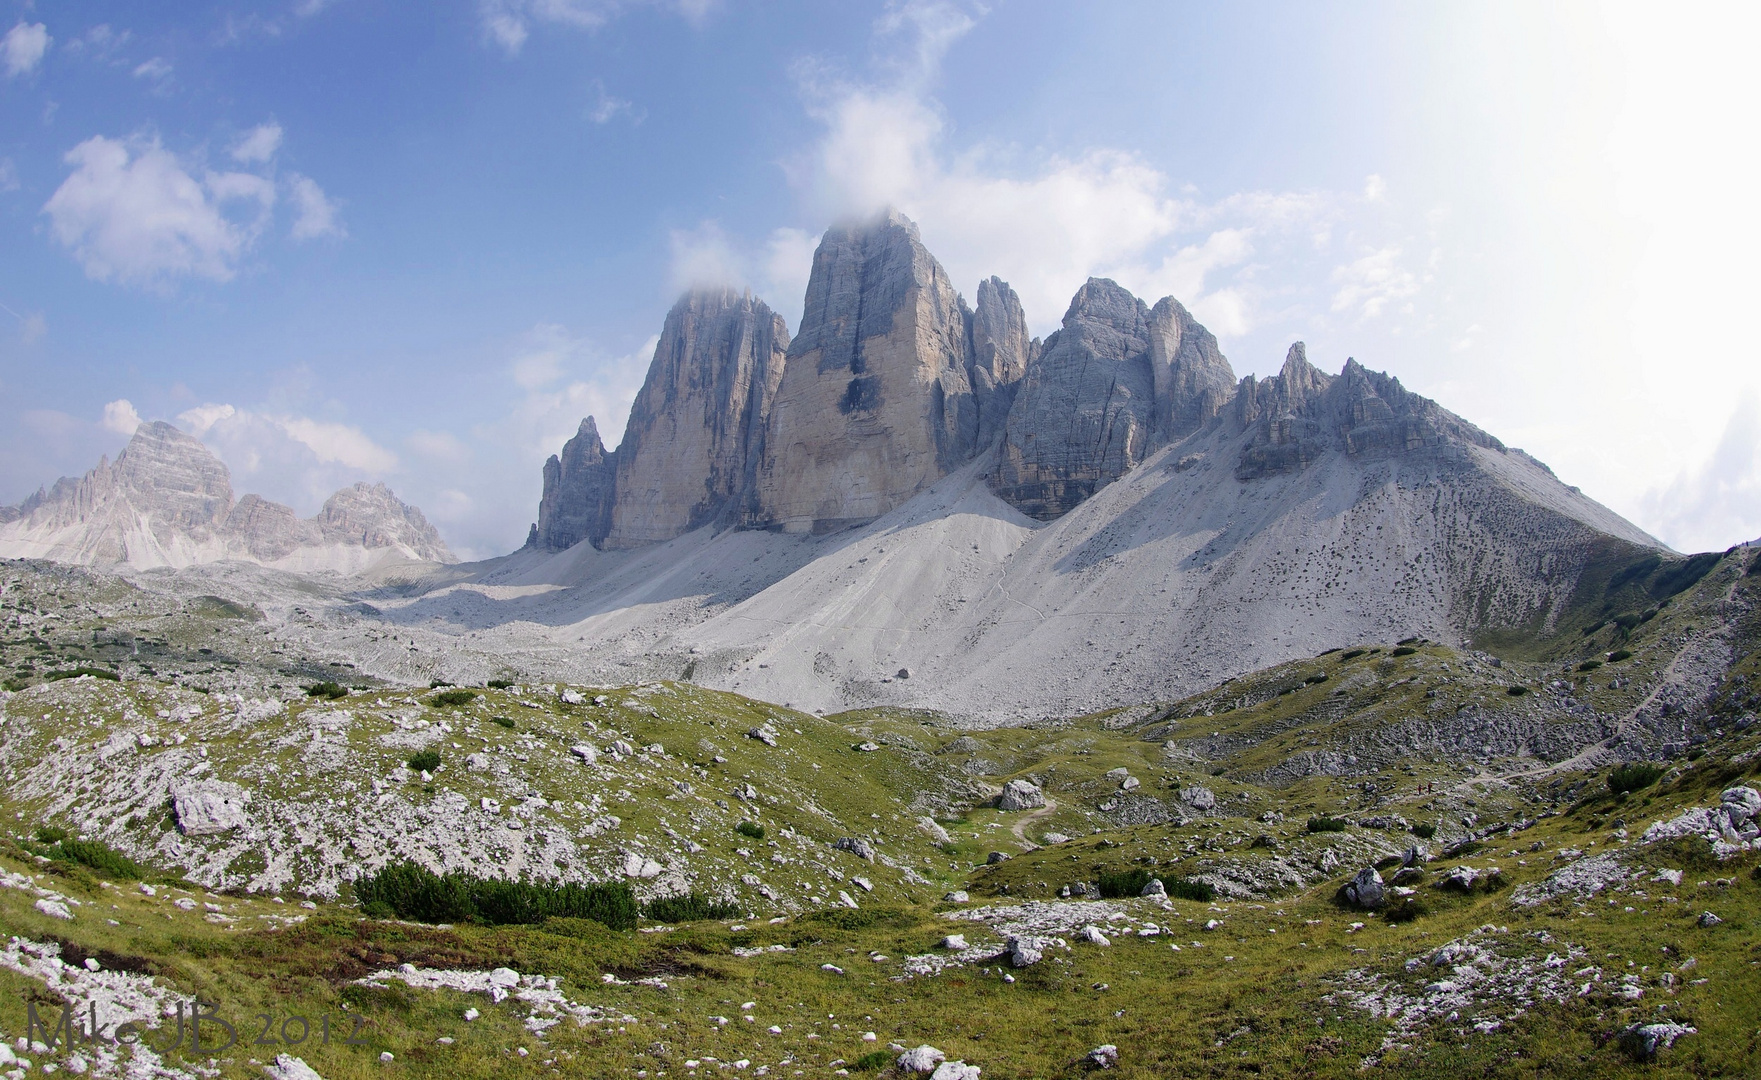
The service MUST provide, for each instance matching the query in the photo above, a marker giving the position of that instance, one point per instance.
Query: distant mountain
(167, 501)
(1027, 527)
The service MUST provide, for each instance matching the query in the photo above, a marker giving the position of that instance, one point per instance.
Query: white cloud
(787, 263)
(1718, 502)
(338, 443)
(120, 416)
(259, 144)
(438, 445)
(158, 69)
(452, 505)
(8, 175)
(131, 211)
(597, 386)
(508, 23)
(608, 108)
(31, 328)
(23, 48)
(1044, 222)
(704, 257)
(1375, 188)
(101, 41)
(1369, 284)
(318, 213)
(203, 417)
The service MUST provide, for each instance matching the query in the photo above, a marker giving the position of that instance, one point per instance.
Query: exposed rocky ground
(932, 884)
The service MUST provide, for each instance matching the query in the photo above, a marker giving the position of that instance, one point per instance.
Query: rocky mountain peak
(1193, 379)
(179, 481)
(578, 489)
(876, 401)
(696, 432)
(370, 516)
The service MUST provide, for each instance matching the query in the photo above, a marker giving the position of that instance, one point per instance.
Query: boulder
(209, 807)
(859, 846)
(765, 734)
(1025, 951)
(1199, 798)
(1155, 890)
(1364, 891)
(585, 752)
(1020, 795)
(921, 1060)
(996, 857)
(1092, 934)
(1642, 1041)
(955, 1070)
(1104, 1056)
(958, 896)
(954, 942)
(1707, 920)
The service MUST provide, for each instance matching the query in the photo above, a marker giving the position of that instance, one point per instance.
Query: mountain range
(167, 502)
(912, 501)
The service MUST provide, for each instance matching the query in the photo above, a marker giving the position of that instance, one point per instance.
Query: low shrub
(447, 698)
(1618, 655)
(504, 721)
(750, 828)
(1632, 776)
(500, 684)
(1589, 665)
(1411, 641)
(13, 686)
(50, 834)
(328, 690)
(411, 892)
(1424, 830)
(74, 673)
(1402, 650)
(1627, 621)
(1352, 654)
(688, 907)
(1115, 884)
(1516, 691)
(424, 760)
(435, 684)
(1407, 909)
(1595, 626)
(1317, 678)
(1189, 889)
(1326, 824)
(99, 857)
(873, 1061)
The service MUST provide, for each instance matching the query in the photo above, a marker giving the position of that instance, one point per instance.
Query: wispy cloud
(507, 24)
(120, 416)
(258, 145)
(608, 107)
(319, 215)
(1719, 500)
(23, 48)
(1370, 284)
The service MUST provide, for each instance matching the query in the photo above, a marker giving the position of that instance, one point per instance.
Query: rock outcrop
(167, 501)
(877, 399)
(1118, 381)
(1301, 413)
(691, 449)
(1002, 349)
(579, 490)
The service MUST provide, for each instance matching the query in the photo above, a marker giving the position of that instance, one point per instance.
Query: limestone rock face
(877, 400)
(690, 453)
(1086, 411)
(370, 516)
(1301, 413)
(167, 501)
(579, 488)
(1193, 381)
(1001, 353)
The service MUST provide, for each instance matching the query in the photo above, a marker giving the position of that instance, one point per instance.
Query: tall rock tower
(878, 399)
(579, 489)
(690, 453)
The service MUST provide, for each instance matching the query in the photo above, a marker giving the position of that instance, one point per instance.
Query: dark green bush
(499, 684)
(1352, 654)
(1632, 776)
(1326, 824)
(688, 907)
(424, 760)
(74, 673)
(873, 1061)
(1516, 691)
(1424, 830)
(1627, 620)
(435, 684)
(50, 834)
(1411, 641)
(99, 857)
(13, 686)
(750, 828)
(1595, 626)
(1317, 678)
(1589, 665)
(326, 690)
(1618, 655)
(452, 697)
(1118, 884)
(1407, 909)
(1403, 650)
(503, 721)
(1684, 575)
(411, 892)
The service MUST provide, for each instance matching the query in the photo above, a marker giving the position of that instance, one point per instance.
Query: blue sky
(359, 240)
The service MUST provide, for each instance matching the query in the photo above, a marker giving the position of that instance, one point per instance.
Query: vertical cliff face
(690, 452)
(579, 488)
(1193, 381)
(1116, 382)
(877, 399)
(1002, 349)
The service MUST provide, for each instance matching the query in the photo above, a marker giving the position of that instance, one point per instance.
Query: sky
(347, 240)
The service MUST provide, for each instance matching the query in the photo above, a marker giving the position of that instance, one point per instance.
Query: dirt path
(1022, 822)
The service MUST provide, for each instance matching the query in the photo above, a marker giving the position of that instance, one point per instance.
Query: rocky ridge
(167, 501)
